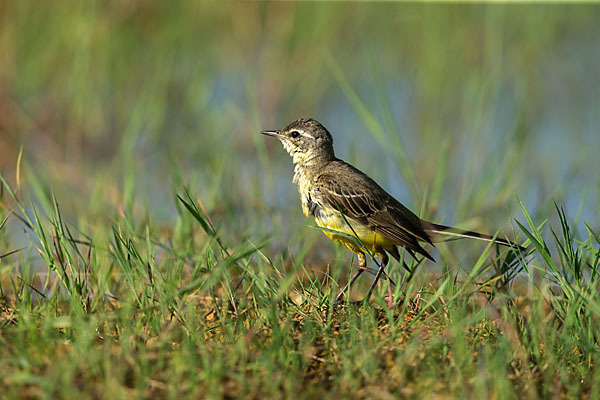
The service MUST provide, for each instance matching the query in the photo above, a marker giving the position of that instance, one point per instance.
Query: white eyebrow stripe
(300, 131)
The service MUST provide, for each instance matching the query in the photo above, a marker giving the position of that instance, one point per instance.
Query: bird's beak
(271, 133)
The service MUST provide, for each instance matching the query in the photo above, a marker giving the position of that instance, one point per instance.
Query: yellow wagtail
(343, 199)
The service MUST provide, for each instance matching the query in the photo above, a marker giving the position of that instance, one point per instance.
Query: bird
(348, 205)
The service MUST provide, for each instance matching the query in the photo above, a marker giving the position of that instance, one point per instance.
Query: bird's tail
(437, 229)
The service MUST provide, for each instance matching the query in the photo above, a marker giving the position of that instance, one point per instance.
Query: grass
(151, 244)
(133, 309)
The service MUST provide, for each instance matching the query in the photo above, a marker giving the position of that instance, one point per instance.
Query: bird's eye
(294, 134)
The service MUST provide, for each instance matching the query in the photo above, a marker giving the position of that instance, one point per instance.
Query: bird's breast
(311, 204)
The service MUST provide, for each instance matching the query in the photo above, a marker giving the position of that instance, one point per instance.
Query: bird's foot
(339, 301)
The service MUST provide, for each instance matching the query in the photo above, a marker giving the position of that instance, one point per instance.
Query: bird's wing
(359, 198)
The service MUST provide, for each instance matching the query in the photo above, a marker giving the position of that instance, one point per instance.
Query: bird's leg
(362, 267)
(384, 260)
(385, 276)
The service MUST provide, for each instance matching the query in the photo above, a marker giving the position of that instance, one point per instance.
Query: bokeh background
(455, 109)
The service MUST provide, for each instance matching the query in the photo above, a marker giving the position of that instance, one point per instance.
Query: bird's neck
(309, 168)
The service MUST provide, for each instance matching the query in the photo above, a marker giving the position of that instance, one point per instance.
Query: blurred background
(455, 109)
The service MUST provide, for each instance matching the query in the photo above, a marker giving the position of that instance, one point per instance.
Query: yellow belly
(333, 220)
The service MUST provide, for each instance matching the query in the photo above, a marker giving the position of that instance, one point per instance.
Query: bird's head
(305, 139)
